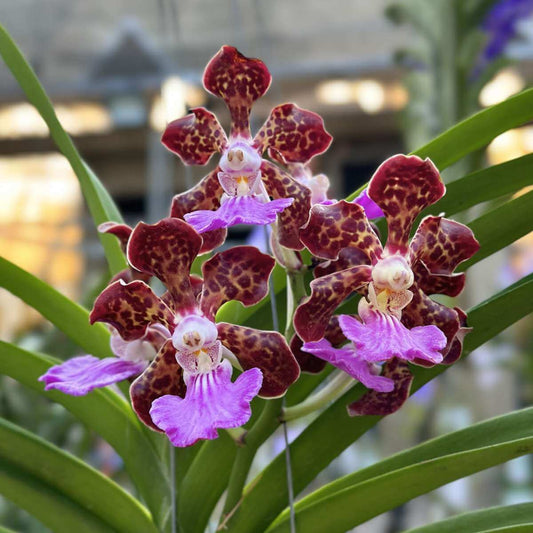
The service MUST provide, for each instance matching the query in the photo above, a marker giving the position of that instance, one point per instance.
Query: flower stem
(266, 423)
(336, 387)
(295, 292)
(173, 503)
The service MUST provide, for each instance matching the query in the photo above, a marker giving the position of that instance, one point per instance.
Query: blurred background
(386, 77)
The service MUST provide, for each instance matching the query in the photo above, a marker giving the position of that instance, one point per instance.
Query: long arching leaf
(100, 204)
(496, 431)
(107, 414)
(73, 479)
(358, 503)
(510, 518)
(66, 315)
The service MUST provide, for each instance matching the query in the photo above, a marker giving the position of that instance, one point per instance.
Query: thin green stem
(337, 385)
(267, 422)
(173, 502)
(296, 290)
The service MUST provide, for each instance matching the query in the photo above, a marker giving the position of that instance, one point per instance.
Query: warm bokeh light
(510, 145)
(22, 120)
(40, 229)
(372, 96)
(506, 83)
(176, 95)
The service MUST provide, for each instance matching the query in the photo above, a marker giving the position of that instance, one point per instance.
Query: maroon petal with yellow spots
(130, 308)
(166, 250)
(239, 81)
(332, 228)
(204, 195)
(121, 231)
(240, 273)
(266, 350)
(279, 184)
(442, 244)
(163, 376)
(348, 257)
(402, 187)
(423, 311)
(448, 284)
(375, 403)
(195, 137)
(327, 293)
(295, 133)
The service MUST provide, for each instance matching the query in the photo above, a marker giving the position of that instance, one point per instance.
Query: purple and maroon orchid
(187, 390)
(240, 189)
(398, 321)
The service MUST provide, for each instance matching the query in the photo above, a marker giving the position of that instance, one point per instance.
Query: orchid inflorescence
(180, 359)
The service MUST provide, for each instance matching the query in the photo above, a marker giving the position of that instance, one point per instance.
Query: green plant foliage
(359, 502)
(69, 317)
(108, 415)
(73, 479)
(324, 439)
(478, 130)
(509, 519)
(100, 204)
(475, 441)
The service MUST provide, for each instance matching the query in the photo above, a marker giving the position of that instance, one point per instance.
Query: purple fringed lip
(348, 360)
(381, 337)
(212, 402)
(237, 210)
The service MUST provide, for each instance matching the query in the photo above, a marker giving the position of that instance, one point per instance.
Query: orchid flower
(187, 390)
(80, 375)
(398, 318)
(238, 191)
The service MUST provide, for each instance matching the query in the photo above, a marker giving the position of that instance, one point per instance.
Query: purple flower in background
(500, 27)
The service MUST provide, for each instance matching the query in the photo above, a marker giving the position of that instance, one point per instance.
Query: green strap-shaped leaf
(478, 130)
(66, 315)
(60, 514)
(485, 185)
(360, 502)
(506, 428)
(73, 479)
(506, 518)
(501, 226)
(324, 439)
(100, 204)
(107, 414)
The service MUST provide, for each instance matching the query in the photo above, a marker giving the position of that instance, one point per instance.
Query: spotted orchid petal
(374, 403)
(402, 187)
(130, 308)
(332, 228)
(266, 350)
(327, 293)
(442, 244)
(239, 81)
(211, 402)
(204, 195)
(121, 231)
(348, 258)
(295, 133)
(237, 210)
(163, 376)
(166, 250)
(279, 184)
(448, 284)
(372, 210)
(240, 273)
(381, 337)
(80, 375)
(349, 361)
(195, 137)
